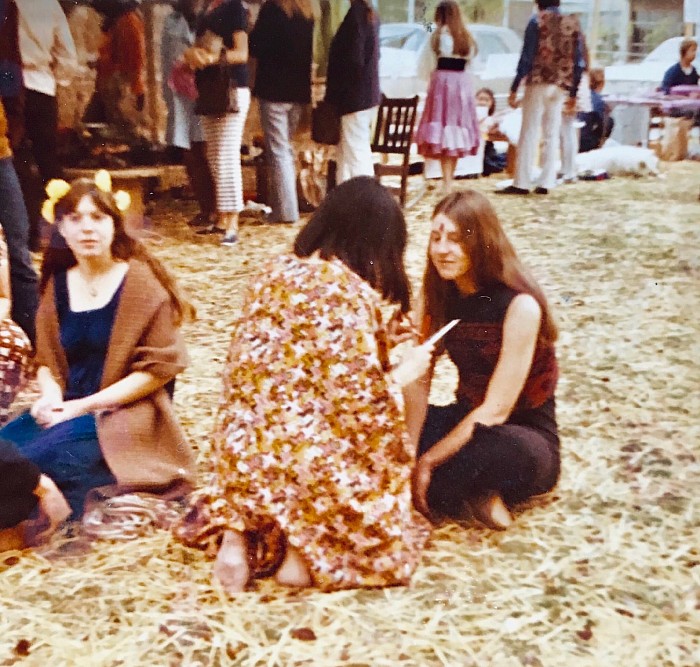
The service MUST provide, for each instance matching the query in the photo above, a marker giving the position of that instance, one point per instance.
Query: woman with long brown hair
(311, 459)
(282, 44)
(108, 343)
(449, 126)
(498, 443)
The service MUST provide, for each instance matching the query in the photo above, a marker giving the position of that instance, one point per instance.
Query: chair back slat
(396, 120)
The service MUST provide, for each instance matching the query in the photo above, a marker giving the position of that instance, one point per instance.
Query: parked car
(406, 59)
(647, 74)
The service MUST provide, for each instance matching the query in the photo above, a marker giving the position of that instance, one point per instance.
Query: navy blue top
(85, 339)
(529, 51)
(226, 19)
(352, 82)
(675, 76)
(283, 47)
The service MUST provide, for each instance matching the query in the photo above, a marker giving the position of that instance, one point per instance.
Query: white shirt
(46, 45)
(447, 44)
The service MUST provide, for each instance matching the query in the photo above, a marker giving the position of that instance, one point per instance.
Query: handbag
(325, 124)
(216, 95)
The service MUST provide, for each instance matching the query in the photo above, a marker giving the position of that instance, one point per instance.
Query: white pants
(353, 154)
(542, 110)
(569, 146)
(223, 136)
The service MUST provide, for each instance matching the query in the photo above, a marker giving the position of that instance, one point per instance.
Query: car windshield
(408, 37)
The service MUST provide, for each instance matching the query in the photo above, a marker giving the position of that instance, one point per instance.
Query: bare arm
(133, 387)
(239, 53)
(520, 329)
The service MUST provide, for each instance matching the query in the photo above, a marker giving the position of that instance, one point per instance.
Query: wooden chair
(393, 135)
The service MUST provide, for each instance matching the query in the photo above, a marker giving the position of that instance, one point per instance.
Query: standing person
(569, 133)
(683, 73)
(15, 225)
(494, 162)
(228, 21)
(449, 126)
(48, 58)
(551, 65)
(498, 443)
(120, 87)
(352, 85)
(282, 44)
(184, 128)
(311, 461)
(108, 342)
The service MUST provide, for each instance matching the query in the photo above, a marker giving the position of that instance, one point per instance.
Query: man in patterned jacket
(551, 63)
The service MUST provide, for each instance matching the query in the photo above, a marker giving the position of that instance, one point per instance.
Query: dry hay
(606, 571)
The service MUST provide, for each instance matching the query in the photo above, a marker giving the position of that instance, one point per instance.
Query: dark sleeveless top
(85, 339)
(474, 346)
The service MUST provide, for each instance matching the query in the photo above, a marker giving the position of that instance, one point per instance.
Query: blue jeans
(15, 224)
(279, 121)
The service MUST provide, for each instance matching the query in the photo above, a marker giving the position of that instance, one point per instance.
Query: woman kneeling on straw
(311, 461)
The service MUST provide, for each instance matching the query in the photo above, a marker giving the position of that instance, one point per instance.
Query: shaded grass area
(605, 571)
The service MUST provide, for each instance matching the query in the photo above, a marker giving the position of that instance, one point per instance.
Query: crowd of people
(327, 464)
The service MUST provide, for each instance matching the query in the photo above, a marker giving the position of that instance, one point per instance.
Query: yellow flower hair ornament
(57, 188)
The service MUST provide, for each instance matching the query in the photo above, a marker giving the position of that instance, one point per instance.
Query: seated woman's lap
(69, 453)
(510, 459)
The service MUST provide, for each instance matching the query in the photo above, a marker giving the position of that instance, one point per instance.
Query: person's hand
(52, 505)
(420, 482)
(140, 100)
(400, 328)
(570, 106)
(198, 58)
(415, 364)
(42, 409)
(512, 99)
(65, 411)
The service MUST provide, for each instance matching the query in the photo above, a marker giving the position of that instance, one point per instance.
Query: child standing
(449, 127)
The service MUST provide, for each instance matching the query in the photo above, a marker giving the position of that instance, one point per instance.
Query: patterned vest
(556, 49)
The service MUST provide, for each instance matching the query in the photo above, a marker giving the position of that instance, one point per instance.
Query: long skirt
(449, 126)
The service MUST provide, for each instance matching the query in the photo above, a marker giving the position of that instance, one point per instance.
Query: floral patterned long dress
(310, 435)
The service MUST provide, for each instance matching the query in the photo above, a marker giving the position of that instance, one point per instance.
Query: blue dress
(69, 452)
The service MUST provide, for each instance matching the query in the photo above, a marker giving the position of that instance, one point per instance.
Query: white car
(647, 74)
(406, 59)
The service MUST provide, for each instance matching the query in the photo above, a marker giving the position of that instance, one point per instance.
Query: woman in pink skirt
(449, 127)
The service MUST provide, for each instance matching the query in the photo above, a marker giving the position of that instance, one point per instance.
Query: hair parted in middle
(361, 224)
(448, 14)
(124, 246)
(492, 258)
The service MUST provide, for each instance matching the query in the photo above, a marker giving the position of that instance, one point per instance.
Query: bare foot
(231, 566)
(492, 511)
(293, 571)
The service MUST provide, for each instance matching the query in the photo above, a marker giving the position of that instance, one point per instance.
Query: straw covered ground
(605, 571)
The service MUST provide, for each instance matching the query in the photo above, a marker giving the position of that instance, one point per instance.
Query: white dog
(619, 160)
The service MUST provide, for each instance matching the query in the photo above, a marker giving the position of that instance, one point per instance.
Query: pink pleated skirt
(449, 125)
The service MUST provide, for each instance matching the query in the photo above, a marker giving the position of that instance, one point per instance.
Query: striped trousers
(223, 136)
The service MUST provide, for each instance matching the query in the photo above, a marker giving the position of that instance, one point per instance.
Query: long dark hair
(361, 224)
(492, 256)
(448, 13)
(124, 246)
